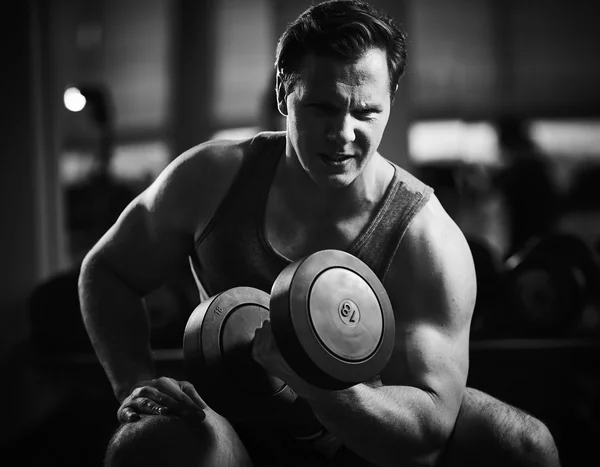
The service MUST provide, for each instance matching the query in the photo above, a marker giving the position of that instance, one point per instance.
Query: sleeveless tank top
(232, 250)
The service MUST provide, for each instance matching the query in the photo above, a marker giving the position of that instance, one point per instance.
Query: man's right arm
(150, 240)
(123, 266)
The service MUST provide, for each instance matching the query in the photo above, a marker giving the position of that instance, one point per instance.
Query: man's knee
(169, 441)
(537, 446)
(157, 441)
(491, 432)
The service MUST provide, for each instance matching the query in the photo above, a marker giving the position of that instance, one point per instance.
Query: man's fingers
(149, 406)
(157, 396)
(176, 390)
(164, 396)
(191, 392)
(127, 414)
(264, 344)
(140, 405)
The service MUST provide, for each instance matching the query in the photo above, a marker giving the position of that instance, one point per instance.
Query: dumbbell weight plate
(332, 319)
(547, 297)
(551, 285)
(217, 350)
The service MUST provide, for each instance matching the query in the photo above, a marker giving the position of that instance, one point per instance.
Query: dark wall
(17, 176)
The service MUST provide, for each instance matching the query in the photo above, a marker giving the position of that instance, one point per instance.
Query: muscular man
(243, 210)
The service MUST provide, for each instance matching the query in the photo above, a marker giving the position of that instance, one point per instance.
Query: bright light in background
(131, 162)
(453, 140)
(74, 100)
(138, 161)
(567, 138)
(236, 133)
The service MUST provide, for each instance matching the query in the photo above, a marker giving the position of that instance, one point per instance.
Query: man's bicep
(140, 248)
(432, 287)
(154, 235)
(428, 358)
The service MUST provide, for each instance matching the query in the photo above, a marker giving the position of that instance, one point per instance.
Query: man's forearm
(117, 324)
(388, 425)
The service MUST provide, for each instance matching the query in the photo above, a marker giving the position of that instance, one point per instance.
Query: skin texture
(403, 417)
(409, 411)
(335, 108)
(343, 107)
(173, 441)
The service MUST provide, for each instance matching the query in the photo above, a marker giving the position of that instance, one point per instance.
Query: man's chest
(295, 238)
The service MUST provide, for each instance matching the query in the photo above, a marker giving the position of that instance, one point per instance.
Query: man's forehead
(372, 61)
(369, 72)
(342, 94)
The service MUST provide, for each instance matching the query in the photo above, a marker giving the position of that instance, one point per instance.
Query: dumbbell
(331, 319)
(542, 290)
(550, 284)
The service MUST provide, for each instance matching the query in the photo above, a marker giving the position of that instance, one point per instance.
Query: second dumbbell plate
(217, 349)
(332, 319)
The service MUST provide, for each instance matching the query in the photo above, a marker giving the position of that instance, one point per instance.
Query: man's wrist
(317, 395)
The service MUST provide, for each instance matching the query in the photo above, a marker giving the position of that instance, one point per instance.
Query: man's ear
(281, 96)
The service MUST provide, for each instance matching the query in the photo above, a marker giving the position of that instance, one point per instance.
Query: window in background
(113, 138)
(244, 53)
(236, 133)
(571, 138)
(137, 55)
(453, 140)
(574, 147)
(140, 162)
(458, 159)
(134, 163)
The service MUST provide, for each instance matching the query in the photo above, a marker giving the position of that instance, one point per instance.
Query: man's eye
(365, 114)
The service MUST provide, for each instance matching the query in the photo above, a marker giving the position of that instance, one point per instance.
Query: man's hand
(266, 353)
(162, 396)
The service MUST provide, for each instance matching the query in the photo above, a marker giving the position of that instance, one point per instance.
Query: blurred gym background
(499, 111)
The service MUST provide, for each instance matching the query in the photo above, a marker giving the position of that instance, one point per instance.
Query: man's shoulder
(192, 187)
(434, 265)
(433, 226)
(228, 154)
(211, 154)
(409, 180)
(194, 182)
(434, 244)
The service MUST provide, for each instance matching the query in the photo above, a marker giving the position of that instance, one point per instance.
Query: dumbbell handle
(217, 346)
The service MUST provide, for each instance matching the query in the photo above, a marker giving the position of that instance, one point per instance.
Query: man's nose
(342, 130)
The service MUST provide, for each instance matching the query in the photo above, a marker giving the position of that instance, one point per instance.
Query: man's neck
(309, 201)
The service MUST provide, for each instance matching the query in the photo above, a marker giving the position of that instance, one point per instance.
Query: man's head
(339, 64)
(344, 30)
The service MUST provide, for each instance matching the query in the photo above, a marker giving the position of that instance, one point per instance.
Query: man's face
(337, 112)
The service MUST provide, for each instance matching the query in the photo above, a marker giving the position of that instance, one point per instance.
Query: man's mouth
(336, 158)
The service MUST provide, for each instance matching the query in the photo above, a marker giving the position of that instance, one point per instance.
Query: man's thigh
(269, 446)
(166, 440)
(491, 432)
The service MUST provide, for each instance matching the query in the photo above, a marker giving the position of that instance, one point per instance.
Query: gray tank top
(232, 249)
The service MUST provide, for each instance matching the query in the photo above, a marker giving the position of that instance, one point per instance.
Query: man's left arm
(405, 416)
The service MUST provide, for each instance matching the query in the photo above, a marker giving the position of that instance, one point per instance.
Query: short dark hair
(343, 29)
